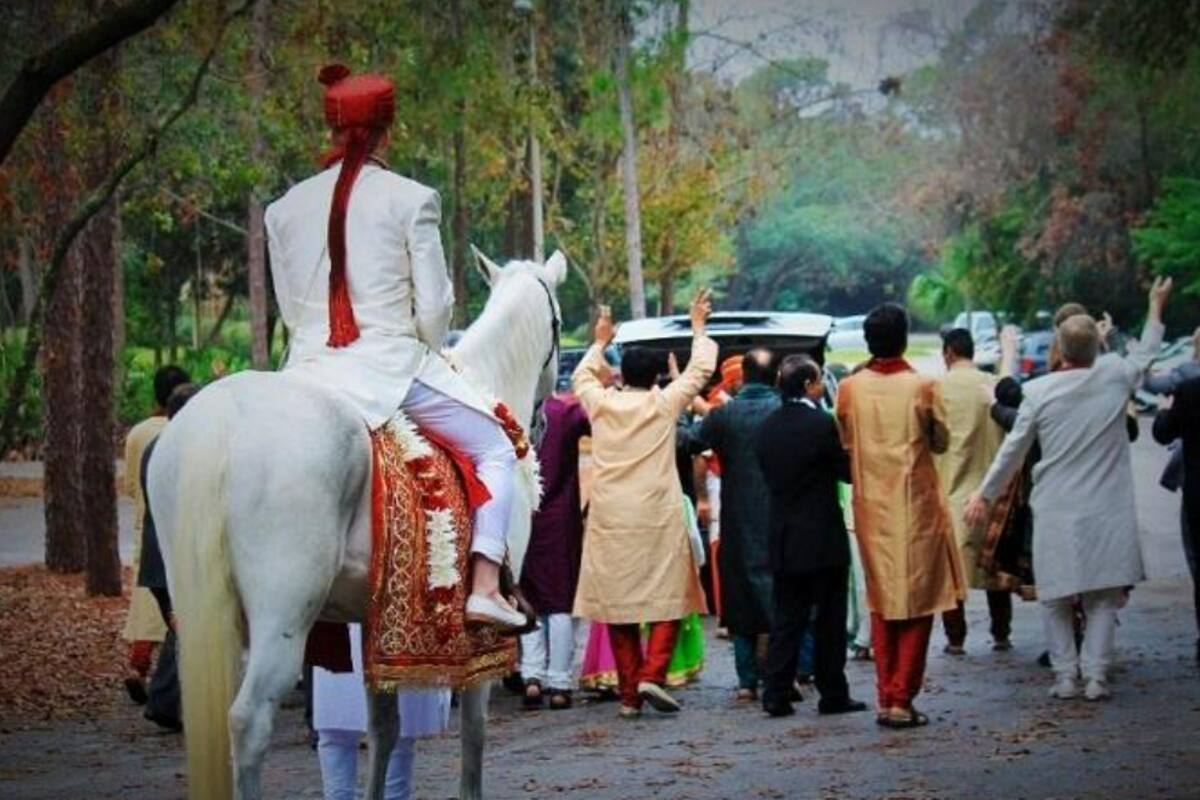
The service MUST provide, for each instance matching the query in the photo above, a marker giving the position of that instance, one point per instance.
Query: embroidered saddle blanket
(416, 633)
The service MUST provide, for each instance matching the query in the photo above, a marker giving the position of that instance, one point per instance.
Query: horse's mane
(510, 338)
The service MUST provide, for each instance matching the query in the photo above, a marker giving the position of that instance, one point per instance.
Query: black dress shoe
(846, 706)
(781, 709)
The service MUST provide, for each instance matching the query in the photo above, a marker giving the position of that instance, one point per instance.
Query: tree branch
(96, 201)
(40, 72)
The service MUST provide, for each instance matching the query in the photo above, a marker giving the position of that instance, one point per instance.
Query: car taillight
(1026, 366)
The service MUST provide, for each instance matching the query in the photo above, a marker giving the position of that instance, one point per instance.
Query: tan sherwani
(974, 441)
(892, 424)
(637, 559)
(144, 622)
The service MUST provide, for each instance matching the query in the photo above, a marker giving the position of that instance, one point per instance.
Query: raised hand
(605, 330)
(1160, 293)
(700, 311)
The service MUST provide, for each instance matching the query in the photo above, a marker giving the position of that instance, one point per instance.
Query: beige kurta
(637, 560)
(892, 425)
(144, 621)
(974, 440)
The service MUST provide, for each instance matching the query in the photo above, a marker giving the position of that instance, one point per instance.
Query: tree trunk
(215, 334)
(118, 296)
(65, 538)
(459, 245)
(260, 356)
(28, 279)
(629, 168)
(98, 484)
(666, 293)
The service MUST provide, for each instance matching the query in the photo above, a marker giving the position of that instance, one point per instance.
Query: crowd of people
(817, 525)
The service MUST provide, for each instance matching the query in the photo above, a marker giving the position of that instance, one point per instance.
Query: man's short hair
(1078, 340)
(758, 366)
(795, 373)
(165, 381)
(179, 398)
(640, 366)
(959, 343)
(1066, 311)
(886, 331)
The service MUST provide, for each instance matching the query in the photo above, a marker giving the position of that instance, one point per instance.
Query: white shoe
(1065, 689)
(1096, 690)
(483, 610)
(657, 697)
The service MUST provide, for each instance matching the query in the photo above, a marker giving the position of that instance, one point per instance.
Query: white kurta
(1085, 534)
(340, 701)
(400, 289)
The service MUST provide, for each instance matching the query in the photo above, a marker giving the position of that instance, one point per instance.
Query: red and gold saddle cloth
(416, 633)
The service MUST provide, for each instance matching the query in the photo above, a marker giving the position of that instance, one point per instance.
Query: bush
(29, 417)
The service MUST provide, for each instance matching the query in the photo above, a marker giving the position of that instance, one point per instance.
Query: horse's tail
(205, 600)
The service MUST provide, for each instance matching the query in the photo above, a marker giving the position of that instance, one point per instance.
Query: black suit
(1182, 421)
(802, 459)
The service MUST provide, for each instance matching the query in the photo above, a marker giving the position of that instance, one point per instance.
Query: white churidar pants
(1093, 659)
(337, 751)
(482, 440)
(554, 669)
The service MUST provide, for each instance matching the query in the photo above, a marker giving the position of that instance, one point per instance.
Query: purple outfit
(551, 570)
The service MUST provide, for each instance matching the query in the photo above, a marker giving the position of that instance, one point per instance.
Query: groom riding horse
(313, 493)
(374, 333)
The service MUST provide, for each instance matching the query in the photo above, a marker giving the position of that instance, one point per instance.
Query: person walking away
(163, 697)
(730, 431)
(893, 423)
(1180, 425)
(1085, 541)
(144, 626)
(637, 563)
(1174, 474)
(550, 573)
(340, 720)
(802, 460)
(974, 440)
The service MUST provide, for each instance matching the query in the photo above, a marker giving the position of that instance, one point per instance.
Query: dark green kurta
(745, 507)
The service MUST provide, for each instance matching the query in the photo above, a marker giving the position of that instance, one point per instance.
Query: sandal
(902, 718)
(861, 654)
(533, 694)
(560, 700)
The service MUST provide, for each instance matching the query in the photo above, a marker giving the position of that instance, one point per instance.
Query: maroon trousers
(632, 667)
(900, 650)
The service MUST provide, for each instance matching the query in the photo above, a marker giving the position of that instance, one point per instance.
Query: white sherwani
(399, 287)
(1085, 524)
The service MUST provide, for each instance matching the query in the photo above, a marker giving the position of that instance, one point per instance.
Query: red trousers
(900, 649)
(141, 656)
(632, 668)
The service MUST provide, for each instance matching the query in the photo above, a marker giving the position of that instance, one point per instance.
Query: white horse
(260, 490)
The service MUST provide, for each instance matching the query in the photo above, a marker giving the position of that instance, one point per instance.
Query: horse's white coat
(260, 489)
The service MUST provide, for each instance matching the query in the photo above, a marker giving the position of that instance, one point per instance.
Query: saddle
(415, 633)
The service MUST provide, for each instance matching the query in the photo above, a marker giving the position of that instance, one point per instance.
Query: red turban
(360, 108)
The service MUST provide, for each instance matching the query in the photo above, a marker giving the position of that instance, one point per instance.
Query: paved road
(995, 734)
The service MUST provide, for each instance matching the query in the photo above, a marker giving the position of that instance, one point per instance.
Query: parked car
(736, 332)
(847, 333)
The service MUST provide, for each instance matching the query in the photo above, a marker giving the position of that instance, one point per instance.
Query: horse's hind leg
(383, 729)
(474, 724)
(274, 664)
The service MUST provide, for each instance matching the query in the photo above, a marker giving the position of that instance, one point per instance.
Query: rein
(555, 323)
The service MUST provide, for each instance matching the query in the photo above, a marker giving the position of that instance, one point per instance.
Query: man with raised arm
(356, 258)
(1085, 539)
(637, 564)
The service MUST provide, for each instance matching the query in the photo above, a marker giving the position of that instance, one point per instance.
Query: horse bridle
(555, 323)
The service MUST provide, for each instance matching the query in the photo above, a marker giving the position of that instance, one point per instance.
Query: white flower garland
(440, 536)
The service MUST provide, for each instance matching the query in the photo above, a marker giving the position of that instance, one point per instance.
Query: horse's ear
(556, 267)
(489, 269)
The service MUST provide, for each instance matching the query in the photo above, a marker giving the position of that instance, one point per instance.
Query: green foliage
(29, 419)
(1169, 240)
